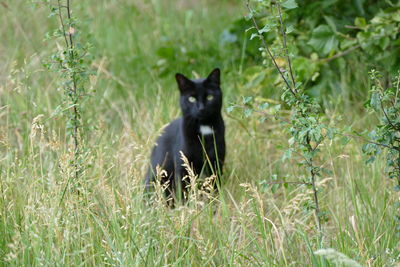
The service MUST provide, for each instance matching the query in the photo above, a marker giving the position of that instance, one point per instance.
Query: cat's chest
(201, 138)
(205, 130)
(208, 136)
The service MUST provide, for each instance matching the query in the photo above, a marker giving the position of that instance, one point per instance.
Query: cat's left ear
(214, 76)
(184, 83)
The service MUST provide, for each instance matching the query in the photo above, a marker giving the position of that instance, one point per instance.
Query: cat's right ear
(184, 83)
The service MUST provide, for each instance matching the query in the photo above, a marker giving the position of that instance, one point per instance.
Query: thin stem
(314, 186)
(62, 23)
(317, 210)
(69, 18)
(268, 50)
(285, 47)
(75, 95)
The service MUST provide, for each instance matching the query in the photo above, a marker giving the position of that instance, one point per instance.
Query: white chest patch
(206, 130)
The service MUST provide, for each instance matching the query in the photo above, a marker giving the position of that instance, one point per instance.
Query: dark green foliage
(326, 37)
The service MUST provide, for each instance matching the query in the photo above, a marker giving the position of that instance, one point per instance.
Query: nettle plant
(305, 126)
(70, 61)
(385, 102)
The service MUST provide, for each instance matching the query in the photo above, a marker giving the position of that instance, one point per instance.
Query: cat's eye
(192, 99)
(210, 97)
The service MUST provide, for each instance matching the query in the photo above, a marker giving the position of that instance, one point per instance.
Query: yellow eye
(192, 99)
(210, 97)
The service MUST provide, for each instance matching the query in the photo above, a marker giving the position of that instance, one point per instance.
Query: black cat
(199, 134)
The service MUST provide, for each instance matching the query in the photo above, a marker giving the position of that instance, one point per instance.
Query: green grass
(135, 95)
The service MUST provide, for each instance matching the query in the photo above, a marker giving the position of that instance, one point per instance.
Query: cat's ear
(214, 76)
(184, 83)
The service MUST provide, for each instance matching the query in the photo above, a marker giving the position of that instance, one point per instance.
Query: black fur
(183, 134)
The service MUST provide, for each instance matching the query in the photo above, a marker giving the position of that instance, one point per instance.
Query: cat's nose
(201, 106)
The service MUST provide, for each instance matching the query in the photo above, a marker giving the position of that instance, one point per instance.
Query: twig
(341, 54)
(352, 27)
(370, 141)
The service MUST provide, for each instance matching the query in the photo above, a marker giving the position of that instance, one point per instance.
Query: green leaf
(331, 23)
(275, 188)
(264, 105)
(248, 112)
(230, 109)
(346, 43)
(262, 119)
(290, 4)
(370, 160)
(254, 35)
(266, 28)
(360, 22)
(289, 29)
(345, 140)
(250, 15)
(323, 39)
(384, 42)
(247, 99)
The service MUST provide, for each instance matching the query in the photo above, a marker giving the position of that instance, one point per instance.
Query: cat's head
(202, 98)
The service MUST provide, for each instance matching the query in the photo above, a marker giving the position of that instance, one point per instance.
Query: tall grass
(108, 223)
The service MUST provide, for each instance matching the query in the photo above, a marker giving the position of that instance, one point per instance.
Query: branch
(268, 50)
(370, 141)
(341, 54)
(285, 47)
